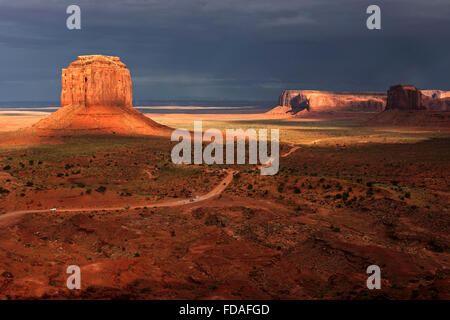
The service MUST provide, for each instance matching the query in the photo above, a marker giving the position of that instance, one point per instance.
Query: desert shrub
(297, 190)
(29, 184)
(335, 229)
(7, 167)
(101, 189)
(280, 188)
(3, 190)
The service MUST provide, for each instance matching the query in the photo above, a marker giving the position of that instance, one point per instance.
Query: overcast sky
(227, 49)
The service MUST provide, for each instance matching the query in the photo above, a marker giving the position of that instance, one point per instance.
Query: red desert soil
(7, 217)
(308, 233)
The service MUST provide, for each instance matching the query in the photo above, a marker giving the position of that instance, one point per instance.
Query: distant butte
(96, 98)
(302, 102)
(408, 106)
(299, 103)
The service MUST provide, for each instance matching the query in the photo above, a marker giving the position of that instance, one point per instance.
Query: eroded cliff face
(96, 98)
(408, 97)
(408, 106)
(297, 102)
(436, 100)
(96, 80)
(436, 94)
(404, 97)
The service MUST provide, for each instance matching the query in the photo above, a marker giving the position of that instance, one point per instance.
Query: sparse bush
(345, 196)
(7, 167)
(101, 189)
(4, 191)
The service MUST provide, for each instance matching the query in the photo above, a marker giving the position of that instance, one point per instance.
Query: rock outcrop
(436, 94)
(404, 97)
(297, 102)
(407, 106)
(436, 100)
(96, 98)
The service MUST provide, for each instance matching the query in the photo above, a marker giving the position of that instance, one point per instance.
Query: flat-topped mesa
(96, 80)
(295, 101)
(96, 98)
(436, 100)
(404, 97)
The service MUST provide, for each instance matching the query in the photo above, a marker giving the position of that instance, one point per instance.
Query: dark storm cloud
(227, 49)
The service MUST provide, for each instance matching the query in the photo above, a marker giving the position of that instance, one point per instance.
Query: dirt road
(7, 217)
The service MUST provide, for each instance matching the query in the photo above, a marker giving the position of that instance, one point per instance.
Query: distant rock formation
(408, 97)
(436, 100)
(298, 102)
(436, 94)
(96, 98)
(404, 97)
(407, 106)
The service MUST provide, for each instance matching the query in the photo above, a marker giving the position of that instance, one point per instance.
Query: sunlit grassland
(298, 131)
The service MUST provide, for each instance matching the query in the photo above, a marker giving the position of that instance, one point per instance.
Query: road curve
(157, 204)
(218, 189)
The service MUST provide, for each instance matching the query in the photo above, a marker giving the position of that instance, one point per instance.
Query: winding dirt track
(168, 203)
(293, 149)
(7, 217)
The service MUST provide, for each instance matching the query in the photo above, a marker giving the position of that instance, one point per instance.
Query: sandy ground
(14, 120)
(357, 198)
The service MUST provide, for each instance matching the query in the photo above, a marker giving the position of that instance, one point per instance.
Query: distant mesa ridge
(297, 103)
(411, 107)
(96, 98)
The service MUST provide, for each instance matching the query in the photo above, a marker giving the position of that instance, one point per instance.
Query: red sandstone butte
(96, 98)
(404, 97)
(299, 102)
(407, 106)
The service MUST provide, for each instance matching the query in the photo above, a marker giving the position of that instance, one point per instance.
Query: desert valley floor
(346, 196)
